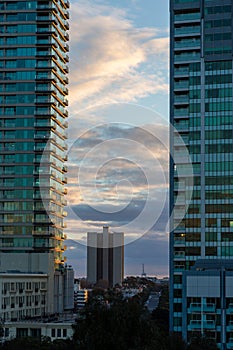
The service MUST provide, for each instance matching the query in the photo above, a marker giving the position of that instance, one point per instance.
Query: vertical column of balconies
(186, 50)
(51, 113)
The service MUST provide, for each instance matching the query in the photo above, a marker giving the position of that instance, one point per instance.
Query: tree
(30, 343)
(125, 325)
(176, 342)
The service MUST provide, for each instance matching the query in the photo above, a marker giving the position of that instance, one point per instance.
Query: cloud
(113, 164)
(111, 59)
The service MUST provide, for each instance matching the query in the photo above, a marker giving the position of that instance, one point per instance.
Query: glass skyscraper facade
(33, 108)
(33, 79)
(201, 111)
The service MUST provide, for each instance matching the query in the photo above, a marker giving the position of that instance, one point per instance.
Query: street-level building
(60, 329)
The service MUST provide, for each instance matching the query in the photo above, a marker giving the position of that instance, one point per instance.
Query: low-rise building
(26, 295)
(60, 329)
(23, 295)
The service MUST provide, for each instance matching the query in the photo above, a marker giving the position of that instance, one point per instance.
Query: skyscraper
(201, 242)
(105, 257)
(33, 97)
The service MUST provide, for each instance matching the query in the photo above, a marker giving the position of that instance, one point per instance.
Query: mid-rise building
(201, 112)
(105, 257)
(33, 113)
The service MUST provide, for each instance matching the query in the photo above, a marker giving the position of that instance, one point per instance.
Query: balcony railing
(188, 30)
(198, 324)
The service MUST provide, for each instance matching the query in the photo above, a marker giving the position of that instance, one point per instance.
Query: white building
(61, 329)
(26, 295)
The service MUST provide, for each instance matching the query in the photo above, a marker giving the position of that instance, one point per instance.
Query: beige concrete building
(105, 257)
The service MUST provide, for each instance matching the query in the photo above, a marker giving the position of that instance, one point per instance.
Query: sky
(118, 130)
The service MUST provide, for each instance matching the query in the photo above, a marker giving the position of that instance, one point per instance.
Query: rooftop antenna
(143, 271)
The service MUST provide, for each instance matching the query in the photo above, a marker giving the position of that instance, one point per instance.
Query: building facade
(105, 257)
(201, 113)
(33, 102)
(80, 295)
(57, 329)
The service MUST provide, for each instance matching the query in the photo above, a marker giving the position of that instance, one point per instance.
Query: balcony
(185, 57)
(209, 324)
(41, 233)
(230, 343)
(179, 241)
(180, 141)
(189, 30)
(67, 3)
(43, 7)
(64, 202)
(182, 126)
(66, 58)
(194, 307)
(64, 180)
(44, 111)
(230, 309)
(184, 85)
(209, 308)
(66, 24)
(180, 200)
(45, 18)
(179, 186)
(181, 71)
(66, 80)
(44, 76)
(179, 255)
(187, 44)
(186, 17)
(42, 136)
(182, 99)
(197, 307)
(198, 324)
(230, 326)
(179, 268)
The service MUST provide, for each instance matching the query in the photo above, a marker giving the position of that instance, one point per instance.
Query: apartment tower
(105, 257)
(33, 107)
(201, 241)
